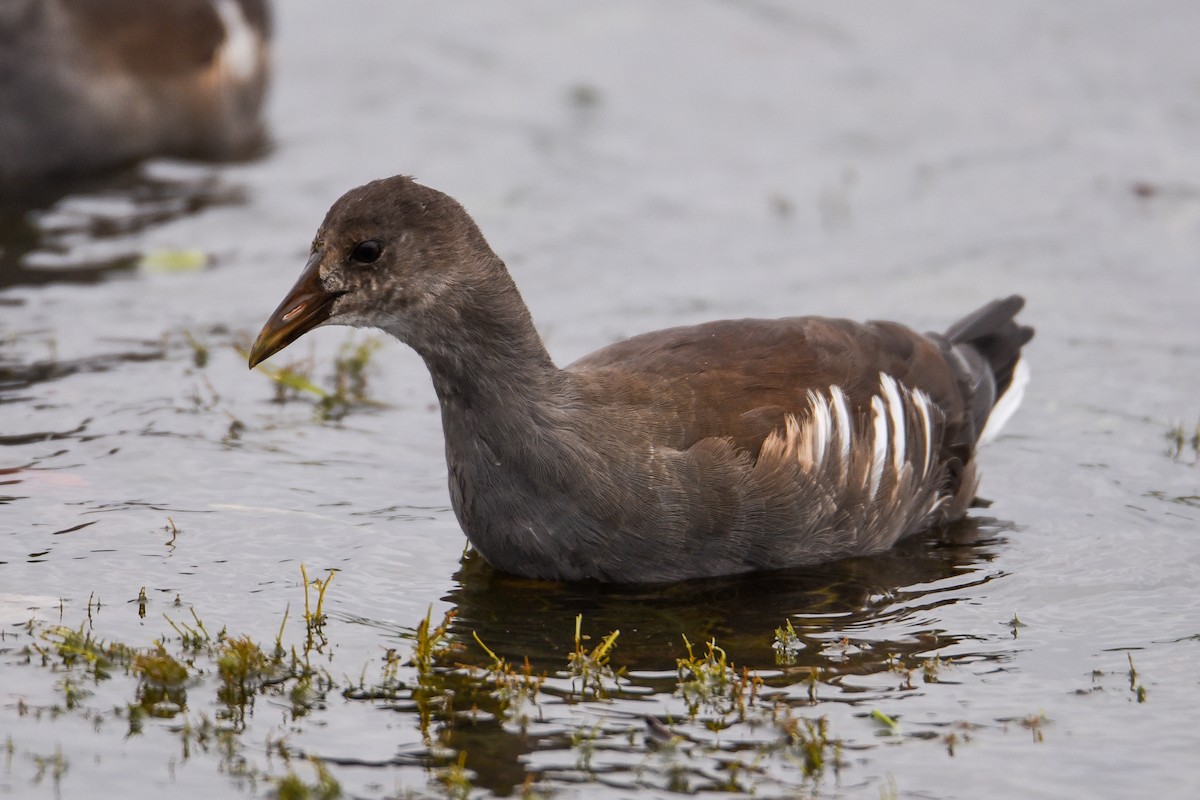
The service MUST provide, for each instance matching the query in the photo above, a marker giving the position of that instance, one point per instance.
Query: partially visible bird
(92, 84)
(705, 450)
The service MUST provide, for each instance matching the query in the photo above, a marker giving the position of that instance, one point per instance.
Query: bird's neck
(506, 418)
(492, 360)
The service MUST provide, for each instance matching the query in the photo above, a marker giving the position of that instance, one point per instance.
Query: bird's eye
(366, 252)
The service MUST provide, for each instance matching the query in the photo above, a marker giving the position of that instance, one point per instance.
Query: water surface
(637, 166)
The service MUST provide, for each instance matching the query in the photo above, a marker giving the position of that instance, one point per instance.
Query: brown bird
(705, 450)
(92, 84)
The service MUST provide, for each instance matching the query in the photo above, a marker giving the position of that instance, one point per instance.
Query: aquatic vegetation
(787, 644)
(1034, 723)
(199, 350)
(814, 678)
(433, 690)
(467, 703)
(77, 647)
(350, 371)
(167, 262)
(73, 694)
(896, 665)
(455, 779)
(193, 639)
(291, 379)
(243, 667)
(809, 743)
(162, 690)
(931, 668)
(314, 617)
(886, 722)
(712, 684)
(345, 389)
(591, 667)
(515, 690)
(294, 787)
(54, 765)
(960, 734)
(1135, 686)
(1184, 443)
(432, 644)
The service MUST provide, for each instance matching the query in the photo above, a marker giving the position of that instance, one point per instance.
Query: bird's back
(740, 379)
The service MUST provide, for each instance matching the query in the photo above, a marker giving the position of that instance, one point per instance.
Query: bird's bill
(306, 306)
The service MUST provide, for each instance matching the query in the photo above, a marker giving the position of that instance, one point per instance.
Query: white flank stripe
(819, 424)
(921, 400)
(879, 416)
(938, 502)
(1007, 404)
(896, 410)
(841, 415)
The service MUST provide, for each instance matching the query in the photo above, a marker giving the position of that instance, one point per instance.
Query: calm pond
(205, 592)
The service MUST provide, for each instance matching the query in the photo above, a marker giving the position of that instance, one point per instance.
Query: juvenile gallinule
(705, 450)
(90, 84)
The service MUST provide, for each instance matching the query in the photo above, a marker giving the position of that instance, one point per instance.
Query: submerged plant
(350, 370)
(293, 787)
(711, 683)
(931, 668)
(455, 779)
(195, 638)
(514, 689)
(242, 666)
(808, 743)
(592, 667)
(787, 644)
(165, 673)
(886, 722)
(346, 386)
(1034, 723)
(432, 646)
(77, 647)
(1180, 440)
(199, 350)
(457, 707)
(162, 683)
(314, 616)
(1138, 688)
(432, 643)
(55, 766)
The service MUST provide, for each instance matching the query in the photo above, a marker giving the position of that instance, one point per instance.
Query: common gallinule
(90, 84)
(704, 450)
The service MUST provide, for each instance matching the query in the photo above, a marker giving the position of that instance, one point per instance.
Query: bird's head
(392, 254)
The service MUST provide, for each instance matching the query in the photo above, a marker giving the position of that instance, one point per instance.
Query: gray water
(637, 166)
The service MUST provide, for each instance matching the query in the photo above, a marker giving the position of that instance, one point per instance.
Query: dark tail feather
(990, 341)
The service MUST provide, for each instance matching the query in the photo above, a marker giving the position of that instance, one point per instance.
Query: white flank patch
(239, 52)
(1007, 404)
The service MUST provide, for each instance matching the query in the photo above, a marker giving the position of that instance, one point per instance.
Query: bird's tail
(989, 343)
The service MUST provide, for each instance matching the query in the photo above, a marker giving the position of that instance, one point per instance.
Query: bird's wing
(739, 379)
